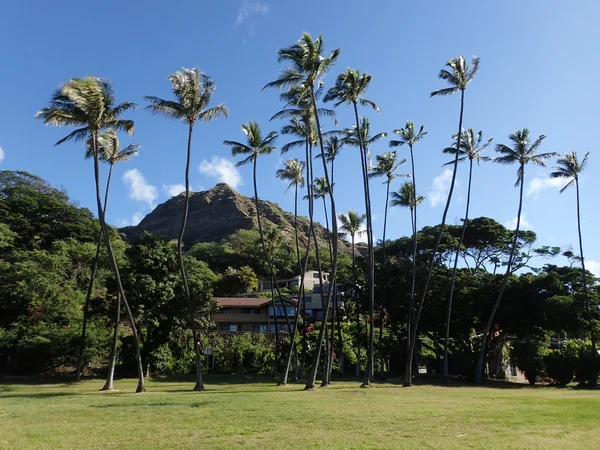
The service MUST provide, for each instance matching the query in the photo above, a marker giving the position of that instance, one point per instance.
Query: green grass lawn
(234, 413)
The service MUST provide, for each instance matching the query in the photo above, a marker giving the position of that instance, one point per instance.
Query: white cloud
(221, 169)
(173, 189)
(1, 155)
(250, 8)
(512, 224)
(593, 266)
(440, 187)
(135, 219)
(139, 188)
(537, 185)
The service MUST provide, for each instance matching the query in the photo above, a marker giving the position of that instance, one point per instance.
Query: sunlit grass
(235, 413)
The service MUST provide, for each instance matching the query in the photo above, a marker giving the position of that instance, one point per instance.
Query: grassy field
(237, 413)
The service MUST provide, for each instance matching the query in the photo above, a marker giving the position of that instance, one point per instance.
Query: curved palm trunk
(411, 305)
(371, 275)
(109, 385)
(82, 346)
(585, 288)
(186, 288)
(450, 296)
(313, 372)
(488, 326)
(336, 312)
(293, 350)
(413, 337)
(329, 343)
(111, 255)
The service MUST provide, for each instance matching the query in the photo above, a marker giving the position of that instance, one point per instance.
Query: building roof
(245, 302)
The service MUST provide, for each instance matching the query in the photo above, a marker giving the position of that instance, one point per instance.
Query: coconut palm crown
(256, 145)
(459, 76)
(470, 147)
(293, 172)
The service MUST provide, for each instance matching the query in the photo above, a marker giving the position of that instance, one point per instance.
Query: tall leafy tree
(307, 66)
(193, 91)
(570, 168)
(352, 223)
(350, 88)
(294, 173)
(90, 105)
(408, 136)
(458, 77)
(522, 153)
(112, 153)
(470, 148)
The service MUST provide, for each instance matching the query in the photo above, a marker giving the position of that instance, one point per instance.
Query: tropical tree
(458, 78)
(570, 168)
(110, 151)
(90, 105)
(307, 66)
(470, 148)
(522, 153)
(350, 88)
(409, 137)
(294, 173)
(333, 145)
(193, 91)
(352, 223)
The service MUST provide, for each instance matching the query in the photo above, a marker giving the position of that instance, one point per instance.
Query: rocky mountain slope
(216, 214)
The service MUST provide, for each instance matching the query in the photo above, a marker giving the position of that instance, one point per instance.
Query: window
(231, 328)
(226, 311)
(315, 274)
(250, 310)
(259, 328)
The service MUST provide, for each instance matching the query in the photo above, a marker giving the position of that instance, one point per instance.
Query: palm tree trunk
(293, 349)
(88, 294)
(113, 261)
(275, 320)
(326, 377)
(357, 368)
(381, 357)
(588, 307)
(186, 288)
(413, 338)
(313, 371)
(411, 305)
(371, 274)
(454, 269)
(488, 326)
(109, 385)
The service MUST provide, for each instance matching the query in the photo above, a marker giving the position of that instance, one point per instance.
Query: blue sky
(539, 64)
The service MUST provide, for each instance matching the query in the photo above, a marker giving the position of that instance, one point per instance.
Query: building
(311, 280)
(253, 314)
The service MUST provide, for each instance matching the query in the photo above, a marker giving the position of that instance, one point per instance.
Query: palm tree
(406, 198)
(470, 149)
(350, 88)
(333, 145)
(294, 173)
(307, 66)
(193, 91)
(458, 78)
(108, 144)
(521, 153)
(387, 166)
(569, 167)
(409, 137)
(90, 105)
(255, 146)
(352, 224)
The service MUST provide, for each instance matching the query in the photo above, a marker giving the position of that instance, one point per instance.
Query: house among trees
(253, 314)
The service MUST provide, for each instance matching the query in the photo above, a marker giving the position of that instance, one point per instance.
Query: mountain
(218, 213)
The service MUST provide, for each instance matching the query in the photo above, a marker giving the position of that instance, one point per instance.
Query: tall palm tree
(406, 198)
(193, 91)
(333, 145)
(470, 148)
(522, 153)
(387, 166)
(570, 168)
(255, 146)
(108, 143)
(352, 224)
(90, 105)
(307, 66)
(409, 137)
(294, 173)
(458, 78)
(350, 88)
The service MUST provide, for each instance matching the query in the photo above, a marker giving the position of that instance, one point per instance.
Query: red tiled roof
(243, 302)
